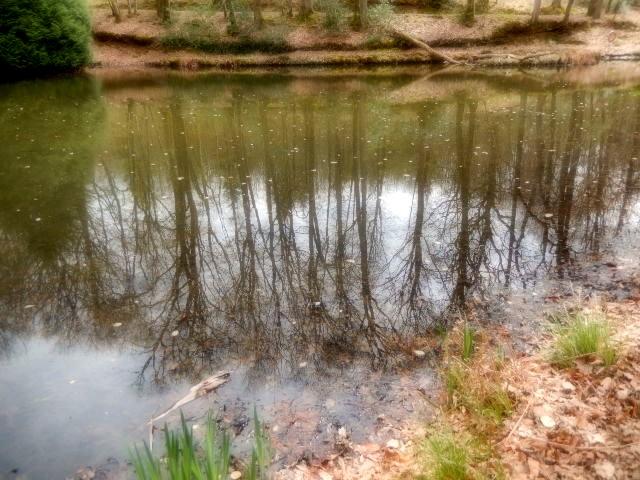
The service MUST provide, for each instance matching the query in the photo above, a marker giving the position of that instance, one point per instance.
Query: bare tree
(595, 9)
(470, 11)
(306, 9)
(258, 21)
(115, 10)
(360, 14)
(567, 12)
(132, 6)
(536, 11)
(163, 8)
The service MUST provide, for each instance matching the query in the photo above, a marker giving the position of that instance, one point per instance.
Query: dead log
(419, 43)
(206, 386)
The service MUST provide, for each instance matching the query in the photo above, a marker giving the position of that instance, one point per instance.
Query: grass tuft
(183, 459)
(261, 452)
(447, 456)
(454, 455)
(473, 382)
(582, 334)
(468, 342)
(485, 401)
(461, 446)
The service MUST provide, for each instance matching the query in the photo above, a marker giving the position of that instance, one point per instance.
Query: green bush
(335, 13)
(43, 36)
(380, 14)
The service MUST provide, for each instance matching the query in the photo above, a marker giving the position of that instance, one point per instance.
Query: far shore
(493, 41)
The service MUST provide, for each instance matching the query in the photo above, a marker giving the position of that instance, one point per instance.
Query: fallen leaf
(622, 394)
(606, 383)
(547, 421)
(604, 469)
(393, 443)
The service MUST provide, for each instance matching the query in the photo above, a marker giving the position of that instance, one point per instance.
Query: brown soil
(582, 422)
(500, 40)
(576, 423)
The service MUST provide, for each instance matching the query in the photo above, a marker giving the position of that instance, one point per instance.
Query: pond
(304, 232)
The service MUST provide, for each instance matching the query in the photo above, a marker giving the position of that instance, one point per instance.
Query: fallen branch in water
(203, 388)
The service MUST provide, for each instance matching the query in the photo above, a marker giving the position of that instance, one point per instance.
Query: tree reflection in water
(301, 221)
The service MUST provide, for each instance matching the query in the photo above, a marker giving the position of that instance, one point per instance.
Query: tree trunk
(115, 10)
(595, 9)
(470, 11)
(536, 11)
(225, 14)
(618, 7)
(361, 21)
(257, 14)
(567, 12)
(232, 24)
(306, 8)
(164, 10)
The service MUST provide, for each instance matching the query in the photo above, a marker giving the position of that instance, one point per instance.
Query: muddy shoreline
(517, 323)
(126, 56)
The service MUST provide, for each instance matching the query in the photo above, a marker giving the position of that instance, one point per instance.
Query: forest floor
(580, 422)
(195, 41)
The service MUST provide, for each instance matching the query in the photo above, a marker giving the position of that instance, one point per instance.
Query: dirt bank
(191, 43)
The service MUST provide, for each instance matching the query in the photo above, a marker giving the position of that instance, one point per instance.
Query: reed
(184, 459)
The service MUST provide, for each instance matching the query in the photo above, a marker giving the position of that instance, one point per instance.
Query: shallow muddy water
(303, 233)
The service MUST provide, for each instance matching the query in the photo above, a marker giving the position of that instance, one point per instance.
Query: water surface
(305, 233)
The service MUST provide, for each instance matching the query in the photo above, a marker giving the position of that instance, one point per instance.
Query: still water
(300, 232)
